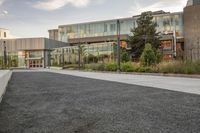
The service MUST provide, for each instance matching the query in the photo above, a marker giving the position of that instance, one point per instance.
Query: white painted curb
(5, 76)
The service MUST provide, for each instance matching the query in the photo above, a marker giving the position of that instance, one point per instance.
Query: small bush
(111, 67)
(101, 67)
(96, 67)
(145, 69)
(91, 66)
(127, 67)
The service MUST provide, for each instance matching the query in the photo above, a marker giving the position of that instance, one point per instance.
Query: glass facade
(34, 59)
(12, 59)
(23, 59)
(166, 23)
(95, 29)
(89, 53)
(36, 54)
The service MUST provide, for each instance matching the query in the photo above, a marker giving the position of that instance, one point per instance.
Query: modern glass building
(74, 33)
(27, 52)
(169, 25)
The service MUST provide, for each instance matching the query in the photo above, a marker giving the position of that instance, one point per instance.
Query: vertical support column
(63, 57)
(49, 58)
(118, 45)
(44, 59)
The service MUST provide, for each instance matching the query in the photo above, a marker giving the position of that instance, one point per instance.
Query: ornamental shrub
(124, 56)
(111, 67)
(127, 67)
(148, 56)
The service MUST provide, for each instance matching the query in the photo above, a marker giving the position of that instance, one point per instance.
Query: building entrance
(35, 63)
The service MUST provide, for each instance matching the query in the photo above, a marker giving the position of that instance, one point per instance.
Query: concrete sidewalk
(188, 85)
(5, 76)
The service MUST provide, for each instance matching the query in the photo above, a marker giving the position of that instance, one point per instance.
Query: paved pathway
(188, 85)
(42, 102)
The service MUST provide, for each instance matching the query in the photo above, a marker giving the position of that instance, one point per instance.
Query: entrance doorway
(35, 63)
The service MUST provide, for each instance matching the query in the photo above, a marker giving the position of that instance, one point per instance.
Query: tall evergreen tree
(144, 33)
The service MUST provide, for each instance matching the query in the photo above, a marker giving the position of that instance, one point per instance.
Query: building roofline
(43, 38)
(52, 29)
(98, 21)
(3, 28)
(25, 38)
(125, 18)
(163, 14)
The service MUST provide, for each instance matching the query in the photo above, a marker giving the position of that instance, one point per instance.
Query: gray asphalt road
(54, 103)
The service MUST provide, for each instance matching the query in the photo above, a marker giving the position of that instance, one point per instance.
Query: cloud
(57, 4)
(166, 5)
(1, 2)
(3, 13)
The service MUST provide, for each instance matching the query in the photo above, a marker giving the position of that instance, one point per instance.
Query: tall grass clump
(179, 67)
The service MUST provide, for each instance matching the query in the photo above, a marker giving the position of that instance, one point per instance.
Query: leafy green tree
(148, 56)
(124, 56)
(144, 33)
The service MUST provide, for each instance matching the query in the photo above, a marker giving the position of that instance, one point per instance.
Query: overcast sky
(33, 18)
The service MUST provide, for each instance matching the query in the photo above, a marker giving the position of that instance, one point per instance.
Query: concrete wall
(192, 32)
(5, 76)
(22, 44)
(15, 45)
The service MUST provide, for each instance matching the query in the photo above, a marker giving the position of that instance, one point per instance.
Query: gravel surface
(41, 102)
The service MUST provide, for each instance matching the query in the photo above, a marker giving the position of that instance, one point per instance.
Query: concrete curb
(5, 76)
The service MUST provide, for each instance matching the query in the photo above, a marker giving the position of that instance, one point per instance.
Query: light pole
(5, 56)
(118, 46)
(63, 58)
(49, 58)
(79, 56)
